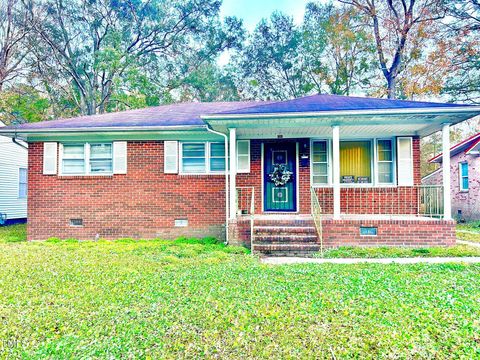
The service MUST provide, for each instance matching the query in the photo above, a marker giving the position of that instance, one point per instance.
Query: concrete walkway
(415, 260)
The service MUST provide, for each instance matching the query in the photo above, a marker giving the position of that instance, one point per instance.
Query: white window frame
(329, 177)
(19, 183)
(374, 167)
(461, 177)
(207, 158)
(209, 155)
(86, 159)
(394, 167)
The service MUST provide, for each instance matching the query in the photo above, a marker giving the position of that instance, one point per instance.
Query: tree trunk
(391, 86)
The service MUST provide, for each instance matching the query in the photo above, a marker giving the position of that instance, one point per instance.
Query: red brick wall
(390, 233)
(386, 200)
(415, 233)
(143, 203)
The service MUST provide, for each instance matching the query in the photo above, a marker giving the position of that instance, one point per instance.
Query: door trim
(297, 180)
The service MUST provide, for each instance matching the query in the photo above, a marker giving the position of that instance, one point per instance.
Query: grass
(469, 231)
(401, 252)
(199, 299)
(13, 233)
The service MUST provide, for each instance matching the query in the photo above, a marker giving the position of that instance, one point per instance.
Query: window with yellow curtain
(355, 162)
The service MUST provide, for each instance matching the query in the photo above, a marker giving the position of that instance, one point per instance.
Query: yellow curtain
(355, 158)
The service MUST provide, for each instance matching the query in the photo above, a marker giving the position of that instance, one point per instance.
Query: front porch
(352, 170)
(335, 213)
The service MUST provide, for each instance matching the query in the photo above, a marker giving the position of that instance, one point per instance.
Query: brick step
(290, 249)
(284, 222)
(282, 238)
(284, 230)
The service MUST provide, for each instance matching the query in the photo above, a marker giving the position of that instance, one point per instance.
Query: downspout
(14, 140)
(209, 129)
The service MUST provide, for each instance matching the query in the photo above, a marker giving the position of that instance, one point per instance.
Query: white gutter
(439, 110)
(226, 180)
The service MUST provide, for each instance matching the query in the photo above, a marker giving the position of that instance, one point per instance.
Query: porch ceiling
(351, 125)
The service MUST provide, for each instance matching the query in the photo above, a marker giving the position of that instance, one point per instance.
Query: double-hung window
(73, 159)
(22, 183)
(86, 159)
(202, 157)
(217, 157)
(385, 161)
(101, 159)
(194, 158)
(463, 172)
(320, 162)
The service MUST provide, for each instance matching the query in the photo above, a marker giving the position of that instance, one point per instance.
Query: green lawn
(190, 299)
(469, 231)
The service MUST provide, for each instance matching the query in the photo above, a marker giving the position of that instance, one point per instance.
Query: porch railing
(246, 206)
(317, 216)
(430, 200)
(418, 200)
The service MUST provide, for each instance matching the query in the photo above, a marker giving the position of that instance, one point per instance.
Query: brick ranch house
(465, 175)
(317, 171)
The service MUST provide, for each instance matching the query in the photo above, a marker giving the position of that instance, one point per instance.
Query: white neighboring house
(13, 179)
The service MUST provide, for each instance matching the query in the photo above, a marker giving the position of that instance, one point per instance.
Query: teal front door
(280, 176)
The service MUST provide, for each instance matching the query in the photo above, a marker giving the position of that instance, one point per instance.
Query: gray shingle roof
(189, 114)
(316, 103)
(165, 115)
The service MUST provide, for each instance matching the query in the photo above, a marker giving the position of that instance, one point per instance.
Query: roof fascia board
(460, 109)
(471, 149)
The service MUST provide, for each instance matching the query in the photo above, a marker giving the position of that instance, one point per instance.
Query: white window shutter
(49, 158)
(119, 157)
(170, 157)
(405, 161)
(243, 156)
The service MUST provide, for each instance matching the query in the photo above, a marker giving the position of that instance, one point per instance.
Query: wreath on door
(280, 175)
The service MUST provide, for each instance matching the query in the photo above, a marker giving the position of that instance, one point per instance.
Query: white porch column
(447, 202)
(336, 171)
(233, 173)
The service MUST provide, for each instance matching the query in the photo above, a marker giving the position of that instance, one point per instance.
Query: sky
(252, 11)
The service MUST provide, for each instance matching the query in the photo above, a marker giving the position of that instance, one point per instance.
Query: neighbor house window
(463, 171)
(385, 161)
(202, 157)
(22, 183)
(320, 162)
(84, 159)
(355, 162)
